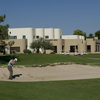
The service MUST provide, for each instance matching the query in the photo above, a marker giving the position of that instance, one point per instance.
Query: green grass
(31, 59)
(54, 90)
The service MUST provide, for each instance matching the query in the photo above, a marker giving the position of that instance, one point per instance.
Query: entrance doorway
(88, 48)
(72, 48)
(55, 49)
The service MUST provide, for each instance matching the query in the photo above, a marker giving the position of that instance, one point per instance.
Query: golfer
(10, 65)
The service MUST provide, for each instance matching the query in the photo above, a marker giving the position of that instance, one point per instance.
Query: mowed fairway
(51, 90)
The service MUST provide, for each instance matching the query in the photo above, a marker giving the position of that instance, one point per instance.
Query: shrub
(27, 51)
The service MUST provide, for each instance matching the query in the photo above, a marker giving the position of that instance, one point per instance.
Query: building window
(72, 48)
(9, 32)
(26, 46)
(88, 48)
(37, 37)
(13, 37)
(96, 48)
(62, 48)
(24, 37)
(33, 37)
(76, 48)
(46, 37)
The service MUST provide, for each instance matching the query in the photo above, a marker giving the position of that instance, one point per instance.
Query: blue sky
(68, 15)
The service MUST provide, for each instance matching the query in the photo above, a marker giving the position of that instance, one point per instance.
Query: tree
(3, 29)
(79, 32)
(91, 35)
(97, 34)
(2, 18)
(3, 32)
(41, 43)
(11, 43)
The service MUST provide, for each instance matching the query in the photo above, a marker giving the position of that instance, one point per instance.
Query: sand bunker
(60, 72)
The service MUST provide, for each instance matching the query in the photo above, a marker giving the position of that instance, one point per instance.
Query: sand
(51, 73)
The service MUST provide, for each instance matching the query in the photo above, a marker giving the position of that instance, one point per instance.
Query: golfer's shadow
(17, 75)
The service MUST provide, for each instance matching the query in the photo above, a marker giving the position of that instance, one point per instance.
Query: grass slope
(31, 59)
(54, 90)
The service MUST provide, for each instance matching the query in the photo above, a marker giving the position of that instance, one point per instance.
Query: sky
(68, 15)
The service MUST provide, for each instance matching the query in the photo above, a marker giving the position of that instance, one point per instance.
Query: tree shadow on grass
(5, 59)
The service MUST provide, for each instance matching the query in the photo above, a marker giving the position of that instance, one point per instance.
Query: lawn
(31, 59)
(51, 90)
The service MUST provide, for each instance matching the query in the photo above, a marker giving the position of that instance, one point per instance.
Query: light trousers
(11, 72)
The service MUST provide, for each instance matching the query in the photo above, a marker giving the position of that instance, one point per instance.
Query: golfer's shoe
(11, 78)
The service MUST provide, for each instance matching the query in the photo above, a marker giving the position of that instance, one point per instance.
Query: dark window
(33, 37)
(26, 46)
(88, 48)
(76, 48)
(37, 36)
(55, 49)
(96, 48)
(13, 37)
(62, 48)
(46, 36)
(72, 48)
(24, 37)
(14, 49)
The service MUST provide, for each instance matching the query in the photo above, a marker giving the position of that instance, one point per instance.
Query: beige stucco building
(76, 45)
(18, 47)
(62, 43)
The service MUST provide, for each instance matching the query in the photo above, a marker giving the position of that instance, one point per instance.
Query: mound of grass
(46, 59)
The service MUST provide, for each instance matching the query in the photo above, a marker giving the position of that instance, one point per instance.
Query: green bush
(27, 51)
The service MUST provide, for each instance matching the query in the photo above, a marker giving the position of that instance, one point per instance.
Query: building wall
(49, 32)
(63, 45)
(54, 36)
(72, 37)
(97, 44)
(19, 43)
(32, 33)
(57, 43)
(75, 42)
(39, 32)
(20, 32)
(82, 47)
(92, 43)
(57, 33)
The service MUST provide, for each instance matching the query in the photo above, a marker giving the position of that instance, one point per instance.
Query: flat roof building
(62, 43)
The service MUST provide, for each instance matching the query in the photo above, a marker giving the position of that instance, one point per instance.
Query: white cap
(16, 59)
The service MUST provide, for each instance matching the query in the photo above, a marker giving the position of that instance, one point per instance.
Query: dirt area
(51, 73)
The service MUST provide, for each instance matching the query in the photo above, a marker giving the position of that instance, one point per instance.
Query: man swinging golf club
(10, 65)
